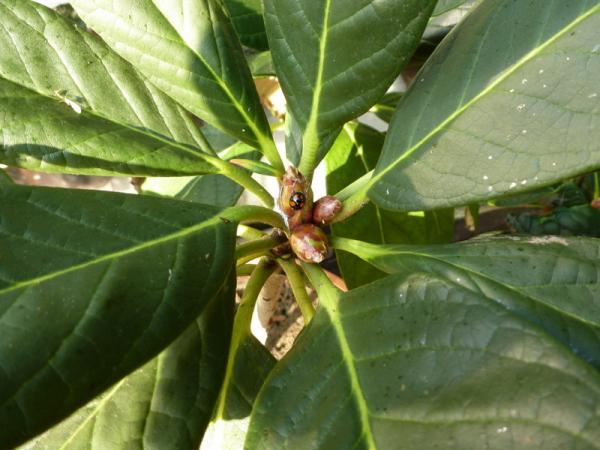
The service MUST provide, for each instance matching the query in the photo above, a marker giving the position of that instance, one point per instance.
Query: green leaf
(384, 109)
(4, 178)
(252, 364)
(92, 285)
(443, 6)
(165, 404)
(550, 281)
(69, 104)
(484, 118)
(261, 65)
(247, 18)
(580, 220)
(335, 59)
(190, 51)
(354, 154)
(419, 361)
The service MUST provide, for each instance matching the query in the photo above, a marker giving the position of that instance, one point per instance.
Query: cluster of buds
(307, 239)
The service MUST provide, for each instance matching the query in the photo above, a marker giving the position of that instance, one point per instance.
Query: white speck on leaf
(593, 95)
(554, 164)
(524, 132)
(490, 188)
(207, 256)
(548, 240)
(512, 90)
(596, 49)
(387, 192)
(512, 185)
(544, 86)
(524, 182)
(502, 430)
(485, 177)
(541, 71)
(524, 81)
(521, 107)
(490, 157)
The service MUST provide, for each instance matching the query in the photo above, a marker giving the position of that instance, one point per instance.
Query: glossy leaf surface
(189, 50)
(166, 403)
(423, 358)
(551, 281)
(355, 153)
(92, 285)
(247, 18)
(489, 115)
(70, 104)
(329, 72)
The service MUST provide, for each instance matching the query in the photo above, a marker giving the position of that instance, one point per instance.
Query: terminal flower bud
(309, 243)
(295, 198)
(325, 209)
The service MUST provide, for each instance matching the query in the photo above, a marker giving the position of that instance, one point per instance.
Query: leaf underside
(190, 51)
(70, 104)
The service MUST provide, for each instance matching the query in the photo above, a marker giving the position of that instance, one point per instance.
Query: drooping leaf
(92, 285)
(420, 361)
(253, 362)
(247, 18)
(190, 51)
(166, 403)
(335, 59)
(355, 153)
(485, 118)
(69, 104)
(551, 281)
(580, 220)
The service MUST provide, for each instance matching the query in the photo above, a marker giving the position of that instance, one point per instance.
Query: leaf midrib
(111, 256)
(257, 132)
(502, 77)
(86, 107)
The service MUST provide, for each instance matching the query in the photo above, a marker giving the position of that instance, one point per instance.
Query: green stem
(257, 214)
(249, 233)
(245, 269)
(241, 324)
(270, 151)
(352, 201)
(596, 186)
(249, 250)
(297, 284)
(243, 178)
(328, 294)
(256, 167)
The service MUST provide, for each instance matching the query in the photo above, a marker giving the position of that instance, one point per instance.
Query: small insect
(297, 201)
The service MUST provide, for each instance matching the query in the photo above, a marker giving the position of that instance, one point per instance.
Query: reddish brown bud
(295, 198)
(325, 209)
(596, 203)
(309, 243)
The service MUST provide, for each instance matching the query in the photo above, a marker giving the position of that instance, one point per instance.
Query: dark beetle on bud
(325, 209)
(309, 243)
(295, 198)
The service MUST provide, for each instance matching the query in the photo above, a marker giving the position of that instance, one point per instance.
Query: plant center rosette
(305, 218)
